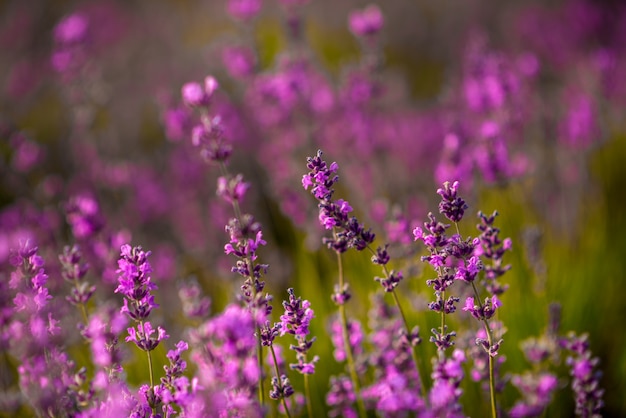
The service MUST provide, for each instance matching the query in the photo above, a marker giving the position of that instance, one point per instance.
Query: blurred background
(521, 101)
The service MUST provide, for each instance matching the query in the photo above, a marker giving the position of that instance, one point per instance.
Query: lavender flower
(445, 393)
(334, 214)
(74, 272)
(135, 283)
(84, 216)
(194, 305)
(492, 248)
(537, 393)
(585, 380)
(366, 22)
(341, 397)
(295, 321)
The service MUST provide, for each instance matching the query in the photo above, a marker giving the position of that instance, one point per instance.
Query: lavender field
(246, 208)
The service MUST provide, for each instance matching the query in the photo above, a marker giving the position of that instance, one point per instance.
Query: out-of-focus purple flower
(239, 61)
(232, 189)
(445, 393)
(72, 29)
(83, 214)
(26, 153)
(244, 10)
(195, 306)
(177, 122)
(536, 390)
(194, 95)
(585, 377)
(366, 22)
(579, 129)
(209, 137)
(355, 337)
(74, 272)
(341, 397)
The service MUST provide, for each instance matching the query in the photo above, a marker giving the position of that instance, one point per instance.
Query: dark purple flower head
(297, 316)
(451, 206)
(366, 22)
(281, 388)
(321, 177)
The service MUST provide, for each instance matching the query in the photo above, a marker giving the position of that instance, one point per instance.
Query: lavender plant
(85, 169)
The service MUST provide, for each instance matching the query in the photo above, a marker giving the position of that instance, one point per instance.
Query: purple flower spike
(585, 379)
(451, 206)
(135, 283)
(295, 321)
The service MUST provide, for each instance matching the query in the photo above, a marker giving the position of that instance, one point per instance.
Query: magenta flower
(143, 337)
(366, 22)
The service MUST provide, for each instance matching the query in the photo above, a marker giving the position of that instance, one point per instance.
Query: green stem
(260, 363)
(307, 394)
(151, 373)
(418, 365)
(416, 361)
(250, 263)
(492, 379)
(283, 400)
(346, 342)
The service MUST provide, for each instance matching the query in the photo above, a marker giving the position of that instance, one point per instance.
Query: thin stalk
(307, 394)
(408, 331)
(416, 358)
(151, 373)
(283, 400)
(492, 380)
(250, 263)
(348, 348)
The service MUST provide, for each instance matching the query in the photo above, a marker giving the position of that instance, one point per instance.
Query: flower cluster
(295, 321)
(585, 378)
(348, 232)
